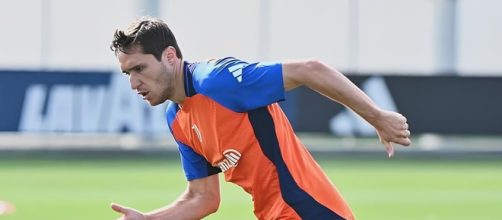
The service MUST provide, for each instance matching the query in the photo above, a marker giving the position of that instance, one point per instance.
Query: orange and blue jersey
(231, 122)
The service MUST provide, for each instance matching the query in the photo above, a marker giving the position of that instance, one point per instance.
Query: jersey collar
(188, 69)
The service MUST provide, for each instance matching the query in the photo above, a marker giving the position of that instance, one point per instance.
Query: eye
(140, 68)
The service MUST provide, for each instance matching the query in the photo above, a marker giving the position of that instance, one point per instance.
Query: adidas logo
(236, 71)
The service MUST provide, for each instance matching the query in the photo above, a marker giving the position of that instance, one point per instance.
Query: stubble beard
(165, 81)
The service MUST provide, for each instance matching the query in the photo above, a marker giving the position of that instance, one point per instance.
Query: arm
(201, 198)
(390, 126)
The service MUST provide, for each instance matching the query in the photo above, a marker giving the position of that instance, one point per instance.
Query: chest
(212, 130)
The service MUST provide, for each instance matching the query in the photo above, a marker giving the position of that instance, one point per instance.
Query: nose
(134, 81)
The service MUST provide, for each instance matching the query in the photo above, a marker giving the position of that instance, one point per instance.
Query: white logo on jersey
(231, 158)
(236, 71)
(197, 132)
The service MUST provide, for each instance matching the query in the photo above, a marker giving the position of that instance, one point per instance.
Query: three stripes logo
(236, 71)
(231, 158)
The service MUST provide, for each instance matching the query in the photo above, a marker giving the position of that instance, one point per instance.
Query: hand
(128, 213)
(391, 127)
(6, 208)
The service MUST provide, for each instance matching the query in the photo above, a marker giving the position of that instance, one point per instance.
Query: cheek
(163, 76)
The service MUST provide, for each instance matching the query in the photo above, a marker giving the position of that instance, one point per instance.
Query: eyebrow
(132, 68)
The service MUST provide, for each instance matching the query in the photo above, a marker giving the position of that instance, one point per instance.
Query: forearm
(334, 85)
(188, 206)
(390, 126)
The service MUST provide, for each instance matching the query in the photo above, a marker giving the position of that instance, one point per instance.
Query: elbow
(213, 203)
(308, 72)
(207, 203)
(214, 209)
(315, 66)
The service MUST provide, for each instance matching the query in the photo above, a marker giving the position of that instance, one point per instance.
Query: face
(152, 79)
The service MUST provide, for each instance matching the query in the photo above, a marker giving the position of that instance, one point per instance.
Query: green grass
(73, 189)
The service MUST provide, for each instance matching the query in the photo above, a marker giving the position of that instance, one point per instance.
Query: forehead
(132, 58)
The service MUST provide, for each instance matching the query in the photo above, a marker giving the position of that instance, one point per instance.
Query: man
(225, 118)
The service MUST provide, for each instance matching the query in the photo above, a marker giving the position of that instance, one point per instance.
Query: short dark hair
(152, 35)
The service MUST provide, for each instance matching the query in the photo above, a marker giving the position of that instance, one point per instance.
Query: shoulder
(215, 74)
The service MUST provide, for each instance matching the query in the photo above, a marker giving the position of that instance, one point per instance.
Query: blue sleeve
(238, 85)
(194, 165)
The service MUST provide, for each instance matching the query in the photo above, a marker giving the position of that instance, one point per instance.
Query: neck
(179, 90)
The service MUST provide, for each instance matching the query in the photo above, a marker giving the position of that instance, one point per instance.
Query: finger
(404, 134)
(406, 126)
(389, 148)
(405, 141)
(403, 119)
(118, 208)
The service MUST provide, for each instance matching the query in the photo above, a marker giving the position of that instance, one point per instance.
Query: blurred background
(69, 121)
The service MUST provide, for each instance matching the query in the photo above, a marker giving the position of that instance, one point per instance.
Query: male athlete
(225, 118)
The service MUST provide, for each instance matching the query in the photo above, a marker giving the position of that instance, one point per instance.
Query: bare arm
(201, 198)
(390, 126)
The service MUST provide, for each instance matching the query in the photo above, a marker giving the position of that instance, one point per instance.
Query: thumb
(120, 208)
(389, 148)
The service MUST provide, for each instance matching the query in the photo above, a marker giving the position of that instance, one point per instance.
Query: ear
(169, 54)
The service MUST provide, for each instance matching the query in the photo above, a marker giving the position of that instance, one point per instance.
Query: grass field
(73, 189)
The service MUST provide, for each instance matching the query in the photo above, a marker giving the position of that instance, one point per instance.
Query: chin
(154, 102)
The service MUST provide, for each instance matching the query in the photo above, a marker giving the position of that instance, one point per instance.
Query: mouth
(143, 94)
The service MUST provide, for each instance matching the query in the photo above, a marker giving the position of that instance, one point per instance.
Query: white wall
(480, 37)
(397, 36)
(82, 32)
(317, 29)
(79, 33)
(20, 34)
(212, 29)
(385, 36)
